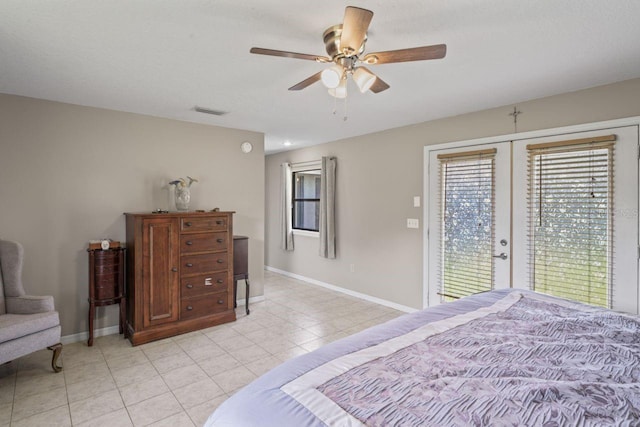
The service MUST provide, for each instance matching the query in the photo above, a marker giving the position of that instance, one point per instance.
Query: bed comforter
(506, 357)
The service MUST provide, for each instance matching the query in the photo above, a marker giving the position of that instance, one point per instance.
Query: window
(467, 212)
(570, 219)
(306, 199)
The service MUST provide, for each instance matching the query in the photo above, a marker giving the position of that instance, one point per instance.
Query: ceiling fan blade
(285, 54)
(405, 55)
(378, 85)
(354, 29)
(307, 82)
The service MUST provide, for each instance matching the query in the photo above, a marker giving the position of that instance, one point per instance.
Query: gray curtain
(328, 208)
(286, 231)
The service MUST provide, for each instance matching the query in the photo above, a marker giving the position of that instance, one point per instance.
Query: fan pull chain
(345, 105)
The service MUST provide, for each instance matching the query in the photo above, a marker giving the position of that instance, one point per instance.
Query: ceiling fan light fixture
(332, 76)
(364, 79)
(339, 92)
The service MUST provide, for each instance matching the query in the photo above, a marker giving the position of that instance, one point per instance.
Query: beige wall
(378, 175)
(67, 173)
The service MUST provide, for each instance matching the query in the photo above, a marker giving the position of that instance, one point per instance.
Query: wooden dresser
(179, 273)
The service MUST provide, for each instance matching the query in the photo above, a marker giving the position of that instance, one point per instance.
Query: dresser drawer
(203, 305)
(203, 284)
(203, 242)
(194, 264)
(207, 223)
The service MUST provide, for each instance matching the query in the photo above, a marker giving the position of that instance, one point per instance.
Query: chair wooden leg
(57, 349)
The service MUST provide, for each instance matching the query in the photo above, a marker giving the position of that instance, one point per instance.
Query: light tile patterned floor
(179, 381)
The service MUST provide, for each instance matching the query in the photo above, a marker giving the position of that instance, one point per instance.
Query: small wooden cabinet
(106, 283)
(179, 273)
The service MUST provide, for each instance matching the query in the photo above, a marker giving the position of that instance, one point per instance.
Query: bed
(506, 357)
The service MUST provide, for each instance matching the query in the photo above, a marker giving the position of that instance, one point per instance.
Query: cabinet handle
(188, 223)
(220, 240)
(174, 269)
(220, 301)
(189, 243)
(220, 280)
(189, 286)
(220, 261)
(189, 307)
(189, 264)
(219, 222)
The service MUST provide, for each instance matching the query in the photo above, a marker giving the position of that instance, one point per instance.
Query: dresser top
(174, 214)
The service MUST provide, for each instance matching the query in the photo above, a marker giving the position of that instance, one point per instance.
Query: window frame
(315, 165)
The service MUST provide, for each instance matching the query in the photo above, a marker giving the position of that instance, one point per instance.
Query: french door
(557, 214)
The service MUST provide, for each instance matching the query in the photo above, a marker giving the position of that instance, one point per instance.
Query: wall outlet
(352, 268)
(413, 223)
(416, 201)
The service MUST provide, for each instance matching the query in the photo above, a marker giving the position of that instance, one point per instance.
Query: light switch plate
(413, 223)
(416, 201)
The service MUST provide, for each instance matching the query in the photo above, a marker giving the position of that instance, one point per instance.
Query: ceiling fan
(345, 45)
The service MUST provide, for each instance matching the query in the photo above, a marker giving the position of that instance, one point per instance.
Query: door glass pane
(571, 223)
(467, 220)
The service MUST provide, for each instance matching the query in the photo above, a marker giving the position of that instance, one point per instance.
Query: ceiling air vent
(210, 111)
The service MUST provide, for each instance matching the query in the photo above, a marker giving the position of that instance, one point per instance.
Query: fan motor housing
(331, 37)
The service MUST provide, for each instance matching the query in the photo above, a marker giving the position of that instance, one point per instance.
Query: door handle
(501, 256)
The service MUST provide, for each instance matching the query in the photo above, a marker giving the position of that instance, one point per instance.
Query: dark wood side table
(241, 268)
(106, 283)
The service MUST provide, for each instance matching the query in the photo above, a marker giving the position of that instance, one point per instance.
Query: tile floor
(179, 381)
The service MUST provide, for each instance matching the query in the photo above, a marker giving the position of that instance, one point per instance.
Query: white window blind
(467, 210)
(570, 205)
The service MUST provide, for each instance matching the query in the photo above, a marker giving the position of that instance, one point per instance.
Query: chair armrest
(28, 304)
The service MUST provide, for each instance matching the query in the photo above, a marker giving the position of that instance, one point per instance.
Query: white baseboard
(343, 290)
(251, 300)
(84, 336)
(110, 330)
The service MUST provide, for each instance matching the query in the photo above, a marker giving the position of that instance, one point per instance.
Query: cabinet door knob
(189, 307)
(220, 240)
(189, 243)
(174, 269)
(188, 223)
(220, 301)
(220, 261)
(220, 280)
(189, 286)
(189, 264)
(219, 222)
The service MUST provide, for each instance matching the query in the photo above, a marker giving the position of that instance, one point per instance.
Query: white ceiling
(163, 57)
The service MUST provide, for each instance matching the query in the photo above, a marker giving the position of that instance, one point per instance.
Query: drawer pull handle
(220, 280)
(188, 223)
(220, 261)
(220, 301)
(189, 308)
(219, 222)
(189, 264)
(189, 243)
(174, 269)
(189, 286)
(220, 240)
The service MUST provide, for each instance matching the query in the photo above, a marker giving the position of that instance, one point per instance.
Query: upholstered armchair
(27, 323)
